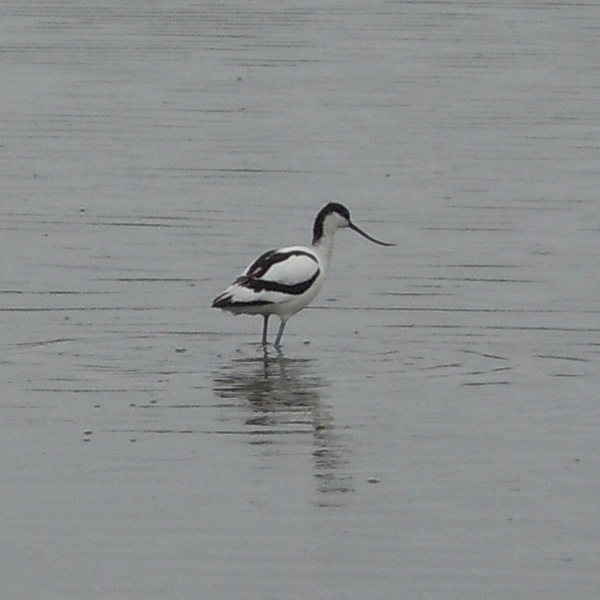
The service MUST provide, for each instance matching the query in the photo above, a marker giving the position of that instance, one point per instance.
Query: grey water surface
(432, 428)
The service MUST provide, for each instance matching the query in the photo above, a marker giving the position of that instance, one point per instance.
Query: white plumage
(282, 282)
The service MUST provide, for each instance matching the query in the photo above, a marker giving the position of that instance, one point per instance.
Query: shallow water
(431, 429)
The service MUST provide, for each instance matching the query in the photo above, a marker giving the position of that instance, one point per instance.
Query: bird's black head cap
(332, 207)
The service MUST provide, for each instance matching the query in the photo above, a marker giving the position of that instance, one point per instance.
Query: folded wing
(274, 277)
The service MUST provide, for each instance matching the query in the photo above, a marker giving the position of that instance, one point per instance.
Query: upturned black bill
(367, 236)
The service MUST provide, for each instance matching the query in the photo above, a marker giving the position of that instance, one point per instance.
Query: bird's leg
(265, 328)
(277, 343)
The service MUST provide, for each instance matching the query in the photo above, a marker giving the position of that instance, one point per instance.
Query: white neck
(324, 248)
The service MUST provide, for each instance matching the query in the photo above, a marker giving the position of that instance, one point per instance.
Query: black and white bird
(283, 282)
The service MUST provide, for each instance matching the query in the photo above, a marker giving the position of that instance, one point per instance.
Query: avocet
(283, 282)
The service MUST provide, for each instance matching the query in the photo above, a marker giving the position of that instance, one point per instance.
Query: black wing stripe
(265, 261)
(228, 302)
(260, 285)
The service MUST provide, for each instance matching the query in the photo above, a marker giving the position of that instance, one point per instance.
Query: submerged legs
(265, 329)
(277, 343)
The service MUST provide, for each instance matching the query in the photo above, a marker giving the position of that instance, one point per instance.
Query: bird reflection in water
(280, 397)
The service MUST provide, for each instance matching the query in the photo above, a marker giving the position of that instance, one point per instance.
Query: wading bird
(282, 282)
